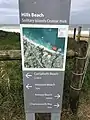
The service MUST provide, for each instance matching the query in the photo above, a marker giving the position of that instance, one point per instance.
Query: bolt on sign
(44, 32)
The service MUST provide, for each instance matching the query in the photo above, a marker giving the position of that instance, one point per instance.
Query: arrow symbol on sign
(28, 75)
(57, 105)
(57, 96)
(28, 86)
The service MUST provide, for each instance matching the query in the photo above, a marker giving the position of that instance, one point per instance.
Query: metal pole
(55, 116)
(30, 116)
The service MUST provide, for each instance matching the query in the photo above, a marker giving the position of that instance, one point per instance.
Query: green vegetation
(11, 86)
(9, 41)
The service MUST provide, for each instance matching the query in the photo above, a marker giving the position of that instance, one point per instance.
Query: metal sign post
(44, 33)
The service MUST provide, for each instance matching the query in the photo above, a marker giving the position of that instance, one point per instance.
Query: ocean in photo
(47, 37)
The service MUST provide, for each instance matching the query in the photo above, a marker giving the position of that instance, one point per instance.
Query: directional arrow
(28, 86)
(57, 96)
(57, 105)
(28, 75)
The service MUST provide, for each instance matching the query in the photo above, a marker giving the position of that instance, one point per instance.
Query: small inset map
(62, 32)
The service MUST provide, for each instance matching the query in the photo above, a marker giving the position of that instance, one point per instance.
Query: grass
(9, 41)
(11, 102)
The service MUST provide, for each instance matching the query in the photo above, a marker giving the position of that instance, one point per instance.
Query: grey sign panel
(43, 91)
(44, 11)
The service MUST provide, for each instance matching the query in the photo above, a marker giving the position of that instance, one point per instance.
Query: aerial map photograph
(43, 48)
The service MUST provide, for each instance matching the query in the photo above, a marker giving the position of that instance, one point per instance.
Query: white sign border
(43, 26)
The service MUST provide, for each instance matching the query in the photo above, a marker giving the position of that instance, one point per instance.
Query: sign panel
(43, 91)
(44, 31)
(44, 12)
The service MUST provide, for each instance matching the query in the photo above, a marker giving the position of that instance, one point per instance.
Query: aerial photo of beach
(43, 48)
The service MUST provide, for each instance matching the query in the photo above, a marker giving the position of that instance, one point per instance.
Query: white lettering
(25, 14)
(52, 21)
(37, 15)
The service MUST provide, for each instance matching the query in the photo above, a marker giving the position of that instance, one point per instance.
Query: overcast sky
(80, 12)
